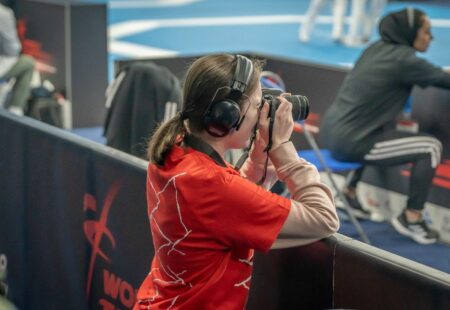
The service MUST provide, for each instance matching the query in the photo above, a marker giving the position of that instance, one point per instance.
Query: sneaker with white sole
(418, 231)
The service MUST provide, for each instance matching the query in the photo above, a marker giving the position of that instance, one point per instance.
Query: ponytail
(164, 138)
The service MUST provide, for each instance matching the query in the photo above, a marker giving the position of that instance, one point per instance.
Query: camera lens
(300, 104)
(300, 107)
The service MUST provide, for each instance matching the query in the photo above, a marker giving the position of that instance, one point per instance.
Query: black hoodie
(146, 96)
(374, 92)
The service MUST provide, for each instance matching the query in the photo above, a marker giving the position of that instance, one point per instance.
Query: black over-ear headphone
(222, 116)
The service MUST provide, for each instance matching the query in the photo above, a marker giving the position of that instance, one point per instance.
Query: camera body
(300, 104)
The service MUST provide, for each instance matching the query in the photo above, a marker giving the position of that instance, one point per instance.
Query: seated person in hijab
(360, 125)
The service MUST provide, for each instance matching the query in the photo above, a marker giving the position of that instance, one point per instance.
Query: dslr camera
(300, 104)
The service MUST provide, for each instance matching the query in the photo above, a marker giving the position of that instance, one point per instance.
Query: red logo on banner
(95, 230)
(115, 288)
(442, 177)
(44, 61)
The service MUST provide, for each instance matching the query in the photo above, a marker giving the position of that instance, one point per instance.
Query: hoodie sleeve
(313, 214)
(418, 71)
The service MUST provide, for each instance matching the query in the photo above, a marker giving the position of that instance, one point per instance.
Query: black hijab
(401, 27)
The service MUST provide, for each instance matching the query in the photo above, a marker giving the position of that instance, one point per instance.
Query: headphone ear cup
(222, 117)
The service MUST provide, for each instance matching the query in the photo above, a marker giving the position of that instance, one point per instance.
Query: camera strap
(198, 145)
(244, 156)
(266, 150)
(269, 145)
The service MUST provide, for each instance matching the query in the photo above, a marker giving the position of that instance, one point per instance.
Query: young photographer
(361, 123)
(206, 217)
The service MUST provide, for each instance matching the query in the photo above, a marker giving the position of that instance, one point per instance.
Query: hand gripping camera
(300, 104)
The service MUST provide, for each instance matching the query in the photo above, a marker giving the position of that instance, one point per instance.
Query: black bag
(43, 106)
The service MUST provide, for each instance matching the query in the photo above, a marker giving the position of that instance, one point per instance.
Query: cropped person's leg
(339, 8)
(352, 198)
(22, 71)
(424, 153)
(356, 177)
(375, 10)
(422, 173)
(310, 18)
(356, 20)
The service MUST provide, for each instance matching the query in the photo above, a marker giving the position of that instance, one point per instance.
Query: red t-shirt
(206, 221)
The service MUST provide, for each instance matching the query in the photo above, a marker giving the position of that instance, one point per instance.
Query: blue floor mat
(383, 236)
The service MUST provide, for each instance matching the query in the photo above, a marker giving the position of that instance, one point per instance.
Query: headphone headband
(242, 74)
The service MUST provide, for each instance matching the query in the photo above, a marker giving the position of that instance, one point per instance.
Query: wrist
(257, 154)
(283, 154)
(278, 143)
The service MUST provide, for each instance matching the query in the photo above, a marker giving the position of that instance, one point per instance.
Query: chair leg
(347, 207)
(349, 178)
(315, 147)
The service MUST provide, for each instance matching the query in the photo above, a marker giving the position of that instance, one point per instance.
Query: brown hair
(204, 77)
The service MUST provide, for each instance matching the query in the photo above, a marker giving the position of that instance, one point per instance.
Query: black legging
(394, 148)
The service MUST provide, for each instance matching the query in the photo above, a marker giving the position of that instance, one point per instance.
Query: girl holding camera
(206, 217)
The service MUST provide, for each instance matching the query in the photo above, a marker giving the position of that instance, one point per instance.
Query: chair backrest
(146, 95)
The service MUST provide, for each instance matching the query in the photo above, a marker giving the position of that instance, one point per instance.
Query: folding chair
(322, 159)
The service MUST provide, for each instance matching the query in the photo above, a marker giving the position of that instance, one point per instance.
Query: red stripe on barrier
(438, 181)
(441, 182)
(298, 128)
(443, 170)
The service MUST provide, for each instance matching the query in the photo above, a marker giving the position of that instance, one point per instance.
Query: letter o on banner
(126, 294)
